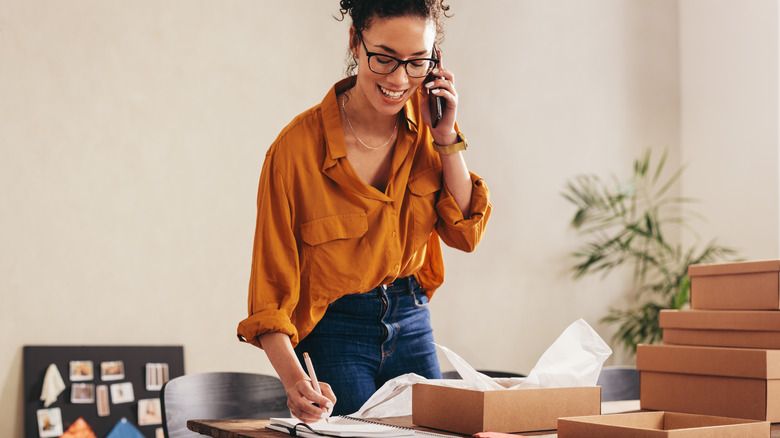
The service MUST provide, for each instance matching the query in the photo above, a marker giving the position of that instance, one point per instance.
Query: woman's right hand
(301, 399)
(301, 395)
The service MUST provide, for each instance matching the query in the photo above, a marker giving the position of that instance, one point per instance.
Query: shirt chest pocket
(424, 189)
(335, 254)
(342, 226)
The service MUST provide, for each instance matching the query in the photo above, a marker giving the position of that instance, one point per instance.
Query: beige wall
(729, 111)
(133, 133)
(570, 87)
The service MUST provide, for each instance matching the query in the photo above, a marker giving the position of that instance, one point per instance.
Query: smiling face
(406, 37)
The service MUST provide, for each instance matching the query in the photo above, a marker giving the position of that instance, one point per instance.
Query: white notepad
(344, 427)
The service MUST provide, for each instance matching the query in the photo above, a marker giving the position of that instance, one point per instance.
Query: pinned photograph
(149, 412)
(103, 408)
(82, 393)
(122, 393)
(156, 376)
(81, 370)
(49, 422)
(114, 370)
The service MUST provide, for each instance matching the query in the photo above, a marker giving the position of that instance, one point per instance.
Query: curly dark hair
(362, 12)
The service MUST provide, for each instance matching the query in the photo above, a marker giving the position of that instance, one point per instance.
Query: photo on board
(81, 370)
(113, 370)
(156, 376)
(49, 422)
(103, 407)
(149, 412)
(82, 393)
(122, 393)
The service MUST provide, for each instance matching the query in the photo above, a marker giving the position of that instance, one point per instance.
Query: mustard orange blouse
(323, 233)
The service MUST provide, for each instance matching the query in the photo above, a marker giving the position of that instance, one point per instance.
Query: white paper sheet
(52, 385)
(574, 359)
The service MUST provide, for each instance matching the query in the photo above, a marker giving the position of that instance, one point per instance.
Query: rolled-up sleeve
(457, 231)
(274, 285)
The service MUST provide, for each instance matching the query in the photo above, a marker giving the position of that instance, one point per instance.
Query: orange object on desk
(495, 435)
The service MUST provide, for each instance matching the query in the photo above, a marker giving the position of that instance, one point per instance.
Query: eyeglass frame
(398, 61)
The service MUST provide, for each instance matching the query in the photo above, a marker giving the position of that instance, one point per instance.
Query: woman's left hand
(442, 86)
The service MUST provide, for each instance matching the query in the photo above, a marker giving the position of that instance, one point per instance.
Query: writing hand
(302, 397)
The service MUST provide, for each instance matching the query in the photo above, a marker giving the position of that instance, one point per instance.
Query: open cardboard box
(468, 411)
(736, 286)
(722, 328)
(728, 382)
(660, 424)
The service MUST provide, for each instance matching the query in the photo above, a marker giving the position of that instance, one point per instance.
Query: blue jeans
(366, 339)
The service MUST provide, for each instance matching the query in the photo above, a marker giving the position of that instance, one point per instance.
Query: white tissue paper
(574, 359)
(52, 385)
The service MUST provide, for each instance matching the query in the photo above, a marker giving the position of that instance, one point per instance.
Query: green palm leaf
(626, 223)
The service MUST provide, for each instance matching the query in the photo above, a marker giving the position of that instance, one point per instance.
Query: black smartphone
(436, 103)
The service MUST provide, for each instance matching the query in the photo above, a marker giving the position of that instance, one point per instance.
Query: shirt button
(394, 234)
(397, 267)
(389, 202)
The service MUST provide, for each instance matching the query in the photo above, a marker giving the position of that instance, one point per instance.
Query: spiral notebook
(347, 427)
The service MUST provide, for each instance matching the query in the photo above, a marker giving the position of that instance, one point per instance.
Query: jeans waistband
(399, 285)
(403, 286)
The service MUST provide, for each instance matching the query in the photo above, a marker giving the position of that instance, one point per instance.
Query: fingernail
(329, 405)
(436, 91)
(324, 415)
(436, 70)
(429, 85)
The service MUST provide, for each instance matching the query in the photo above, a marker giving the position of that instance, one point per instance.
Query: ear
(354, 41)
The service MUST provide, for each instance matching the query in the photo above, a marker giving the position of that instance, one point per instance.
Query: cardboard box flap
(709, 361)
(648, 420)
(734, 268)
(740, 320)
(677, 420)
(661, 420)
(660, 424)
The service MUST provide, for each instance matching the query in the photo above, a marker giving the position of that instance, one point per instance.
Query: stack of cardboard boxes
(722, 357)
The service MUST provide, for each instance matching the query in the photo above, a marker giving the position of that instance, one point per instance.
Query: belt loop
(417, 303)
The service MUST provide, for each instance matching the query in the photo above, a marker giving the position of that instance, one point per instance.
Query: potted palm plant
(626, 224)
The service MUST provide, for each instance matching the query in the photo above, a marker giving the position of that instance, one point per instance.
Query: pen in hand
(310, 369)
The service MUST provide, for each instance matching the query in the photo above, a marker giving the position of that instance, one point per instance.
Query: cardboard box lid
(660, 424)
(734, 268)
(740, 320)
(710, 361)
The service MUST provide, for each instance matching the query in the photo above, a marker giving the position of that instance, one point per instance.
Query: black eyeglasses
(386, 64)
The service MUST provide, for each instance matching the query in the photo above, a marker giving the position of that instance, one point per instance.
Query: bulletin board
(133, 360)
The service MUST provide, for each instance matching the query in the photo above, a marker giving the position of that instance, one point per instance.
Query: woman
(354, 196)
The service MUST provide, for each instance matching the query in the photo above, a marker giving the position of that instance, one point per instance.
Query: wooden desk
(233, 428)
(256, 428)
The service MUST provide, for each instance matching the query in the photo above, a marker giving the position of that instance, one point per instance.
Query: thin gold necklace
(344, 106)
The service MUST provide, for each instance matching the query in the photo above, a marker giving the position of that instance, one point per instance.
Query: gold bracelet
(461, 145)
